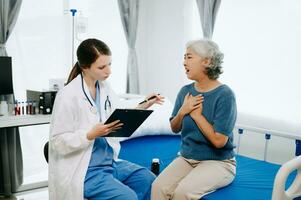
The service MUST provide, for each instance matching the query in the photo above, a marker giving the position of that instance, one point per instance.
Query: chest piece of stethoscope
(93, 110)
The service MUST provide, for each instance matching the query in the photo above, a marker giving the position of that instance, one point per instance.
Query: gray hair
(208, 49)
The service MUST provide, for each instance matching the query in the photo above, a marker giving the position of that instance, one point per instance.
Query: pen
(146, 100)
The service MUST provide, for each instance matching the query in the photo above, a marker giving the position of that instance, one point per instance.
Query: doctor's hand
(100, 129)
(151, 100)
(190, 104)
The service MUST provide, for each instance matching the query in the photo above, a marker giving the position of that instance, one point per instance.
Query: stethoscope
(93, 108)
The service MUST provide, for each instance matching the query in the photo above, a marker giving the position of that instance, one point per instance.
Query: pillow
(157, 123)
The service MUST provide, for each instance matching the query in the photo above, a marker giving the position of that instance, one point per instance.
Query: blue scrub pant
(121, 181)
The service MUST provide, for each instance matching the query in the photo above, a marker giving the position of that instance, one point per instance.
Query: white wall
(261, 40)
(162, 31)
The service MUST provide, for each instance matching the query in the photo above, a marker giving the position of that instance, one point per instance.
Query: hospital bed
(255, 179)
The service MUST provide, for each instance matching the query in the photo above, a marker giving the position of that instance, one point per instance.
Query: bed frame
(294, 191)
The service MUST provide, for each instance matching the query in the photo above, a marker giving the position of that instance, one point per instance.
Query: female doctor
(82, 161)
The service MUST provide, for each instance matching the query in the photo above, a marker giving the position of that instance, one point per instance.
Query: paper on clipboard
(131, 119)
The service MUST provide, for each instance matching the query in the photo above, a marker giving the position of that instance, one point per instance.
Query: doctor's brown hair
(87, 53)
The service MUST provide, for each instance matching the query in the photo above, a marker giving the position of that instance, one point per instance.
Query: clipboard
(131, 119)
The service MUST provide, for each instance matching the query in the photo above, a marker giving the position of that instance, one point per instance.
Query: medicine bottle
(155, 168)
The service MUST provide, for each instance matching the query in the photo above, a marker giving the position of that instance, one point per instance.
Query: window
(260, 41)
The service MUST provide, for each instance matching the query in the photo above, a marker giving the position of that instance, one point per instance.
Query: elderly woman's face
(194, 65)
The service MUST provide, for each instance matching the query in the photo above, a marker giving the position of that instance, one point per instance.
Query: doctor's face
(101, 68)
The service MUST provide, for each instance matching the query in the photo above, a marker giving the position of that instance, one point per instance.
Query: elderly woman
(205, 113)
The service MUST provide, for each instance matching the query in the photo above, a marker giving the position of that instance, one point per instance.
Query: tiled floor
(38, 194)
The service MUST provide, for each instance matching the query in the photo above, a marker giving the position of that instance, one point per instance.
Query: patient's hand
(191, 103)
(196, 112)
(198, 108)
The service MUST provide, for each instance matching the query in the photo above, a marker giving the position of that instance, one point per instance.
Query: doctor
(82, 161)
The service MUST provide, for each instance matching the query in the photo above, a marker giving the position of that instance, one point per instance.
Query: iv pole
(73, 11)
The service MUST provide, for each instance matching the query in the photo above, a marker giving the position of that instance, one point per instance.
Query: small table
(25, 120)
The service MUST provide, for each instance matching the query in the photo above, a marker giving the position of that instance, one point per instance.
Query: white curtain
(11, 165)
(9, 11)
(129, 17)
(208, 11)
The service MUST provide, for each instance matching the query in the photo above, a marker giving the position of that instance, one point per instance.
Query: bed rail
(274, 127)
(269, 127)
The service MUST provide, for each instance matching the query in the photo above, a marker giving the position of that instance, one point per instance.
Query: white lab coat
(70, 150)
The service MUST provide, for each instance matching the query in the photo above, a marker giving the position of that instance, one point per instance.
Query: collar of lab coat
(105, 90)
(103, 94)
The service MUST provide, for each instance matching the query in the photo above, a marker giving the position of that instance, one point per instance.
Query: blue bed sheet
(254, 179)
(142, 150)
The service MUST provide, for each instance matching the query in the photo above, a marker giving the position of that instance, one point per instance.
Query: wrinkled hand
(192, 104)
(103, 129)
(197, 111)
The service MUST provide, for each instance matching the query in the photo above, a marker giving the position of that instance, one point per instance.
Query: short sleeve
(225, 115)
(178, 104)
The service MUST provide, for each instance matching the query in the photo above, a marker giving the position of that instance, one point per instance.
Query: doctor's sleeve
(64, 137)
